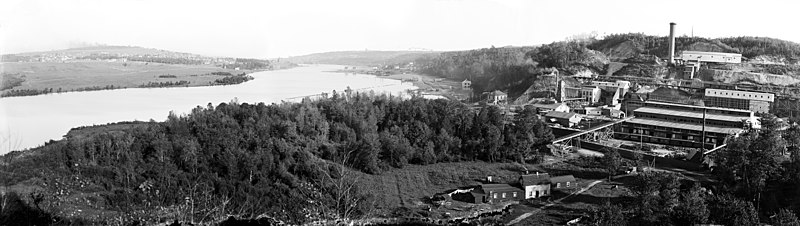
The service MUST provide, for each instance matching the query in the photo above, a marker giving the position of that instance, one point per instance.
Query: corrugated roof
(711, 53)
(547, 106)
(699, 107)
(533, 179)
(564, 178)
(686, 126)
(558, 114)
(690, 114)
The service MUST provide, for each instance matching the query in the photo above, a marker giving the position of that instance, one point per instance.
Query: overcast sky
(267, 29)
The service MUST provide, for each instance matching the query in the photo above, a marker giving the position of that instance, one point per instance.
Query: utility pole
(703, 142)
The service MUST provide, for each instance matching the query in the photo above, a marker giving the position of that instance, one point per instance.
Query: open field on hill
(76, 75)
(408, 187)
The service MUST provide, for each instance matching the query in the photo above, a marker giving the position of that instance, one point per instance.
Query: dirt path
(557, 201)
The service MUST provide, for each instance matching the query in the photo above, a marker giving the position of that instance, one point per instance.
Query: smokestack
(672, 43)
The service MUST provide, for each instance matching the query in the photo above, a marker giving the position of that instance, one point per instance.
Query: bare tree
(341, 183)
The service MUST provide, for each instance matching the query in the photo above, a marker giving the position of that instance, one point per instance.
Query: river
(27, 122)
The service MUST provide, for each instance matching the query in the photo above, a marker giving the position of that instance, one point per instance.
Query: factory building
(745, 100)
(591, 94)
(712, 57)
(682, 125)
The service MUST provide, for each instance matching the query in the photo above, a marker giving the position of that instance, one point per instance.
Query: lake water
(27, 122)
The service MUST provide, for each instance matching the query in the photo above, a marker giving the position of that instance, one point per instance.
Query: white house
(535, 185)
(466, 84)
(497, 97)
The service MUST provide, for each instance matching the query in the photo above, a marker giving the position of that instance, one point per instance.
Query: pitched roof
(690, 114)
(684, 125)
(548, 106)
(558, 114)
(486, 188)
(534, 179)
(564, 178)
(498, 92)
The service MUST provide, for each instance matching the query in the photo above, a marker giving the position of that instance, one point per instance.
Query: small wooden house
(494, 193)
(497, 97)
(563, 182)
(535, 185)
(466, 84)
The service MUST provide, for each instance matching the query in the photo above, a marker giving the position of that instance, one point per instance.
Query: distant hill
(116, 50)
(361, 58)
(619, 47)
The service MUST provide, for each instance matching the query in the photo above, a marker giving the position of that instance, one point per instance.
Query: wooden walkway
(599, 127)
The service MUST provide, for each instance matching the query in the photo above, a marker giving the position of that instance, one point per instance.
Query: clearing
(69, 76)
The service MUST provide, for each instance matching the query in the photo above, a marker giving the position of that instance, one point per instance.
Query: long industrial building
(746, 100)
(682, 125)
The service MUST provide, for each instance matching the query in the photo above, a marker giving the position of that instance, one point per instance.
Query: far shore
(427, 84)
(49, 78)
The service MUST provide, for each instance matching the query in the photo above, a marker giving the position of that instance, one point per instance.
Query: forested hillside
(279, 161)
(514, 69)
(752, 47)
(361, 58)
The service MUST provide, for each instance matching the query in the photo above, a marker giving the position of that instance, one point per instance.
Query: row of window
(699, 109)
(710, 137)
(740, 94)
(513, 194)
(696, 121)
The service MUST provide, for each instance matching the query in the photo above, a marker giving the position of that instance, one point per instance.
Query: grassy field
(68, 76)
(616, 192)
(410, 186)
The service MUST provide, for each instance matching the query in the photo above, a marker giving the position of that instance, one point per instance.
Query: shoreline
(59, 90)
(426, 84)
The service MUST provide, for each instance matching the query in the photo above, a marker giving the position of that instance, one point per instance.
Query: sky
(270, 29)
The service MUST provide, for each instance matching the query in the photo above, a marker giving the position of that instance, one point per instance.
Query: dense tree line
(165, 60)
(248, 64)
(96, 56)
(165, 84)
(472, 64)
(234, 79)
(755, 183)
(659, 45)
(749, 47)
(10, 81)
(34, 92)
(755, 46)
(282, 160)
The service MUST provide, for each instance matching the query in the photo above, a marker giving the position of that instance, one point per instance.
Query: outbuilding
(495, 193)
(566, 119)
(563, 182)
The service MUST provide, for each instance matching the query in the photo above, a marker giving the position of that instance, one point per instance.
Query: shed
(494, 193)
(544, 108)
(613, 113)
(563, 182)
(567, 119)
